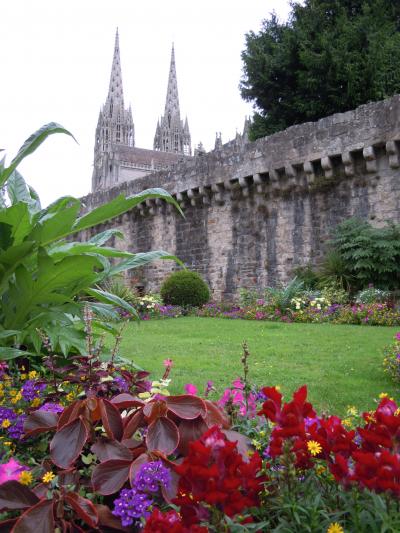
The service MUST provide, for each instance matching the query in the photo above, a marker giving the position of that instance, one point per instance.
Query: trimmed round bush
(185, 288)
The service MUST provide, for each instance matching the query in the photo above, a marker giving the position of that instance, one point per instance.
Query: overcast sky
(56, 56)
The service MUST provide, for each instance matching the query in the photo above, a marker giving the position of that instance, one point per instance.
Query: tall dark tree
(330, 56)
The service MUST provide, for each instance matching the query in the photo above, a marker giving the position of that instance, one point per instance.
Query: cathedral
(116, 158)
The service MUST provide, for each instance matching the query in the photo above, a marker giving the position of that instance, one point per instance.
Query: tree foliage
(329, 57)
(368, 254)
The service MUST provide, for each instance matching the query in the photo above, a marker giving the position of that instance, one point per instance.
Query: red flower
(215, 473)
(160, 522)
(333, 437)
(290, 423)
(382, 430)
(377, 471)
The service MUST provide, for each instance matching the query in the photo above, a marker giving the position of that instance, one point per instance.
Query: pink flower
(225, 397)
(168, 363)
(238, 383)
(11, 470)
(190, 389)
(398, 336)
(237, 397)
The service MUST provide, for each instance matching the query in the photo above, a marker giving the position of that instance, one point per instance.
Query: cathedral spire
(115, 91)
(172, 100)
(114, 127)
(172, 135)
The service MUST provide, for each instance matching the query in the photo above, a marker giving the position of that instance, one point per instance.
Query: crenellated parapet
(254, 210)
(298, 159)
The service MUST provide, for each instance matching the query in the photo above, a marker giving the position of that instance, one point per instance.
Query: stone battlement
(255, 210)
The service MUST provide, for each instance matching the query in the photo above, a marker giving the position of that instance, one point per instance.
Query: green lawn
(342, 365)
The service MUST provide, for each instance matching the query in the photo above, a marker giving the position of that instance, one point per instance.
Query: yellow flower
(32, 374)
(7, 443)
(22, 376)
(6, 423)
(49, 476)
(320, 469)
(314, 447)
(383, 395)
(256, 444)
(397, 412)
(13, 392)
(352, 411)
(25, 477)
(35, 402)
(16, 398)
(370, 418)
(69, 397)
(335, 528)
(346, 422)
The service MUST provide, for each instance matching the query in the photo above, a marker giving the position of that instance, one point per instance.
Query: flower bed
(376, 314)
(93, 446)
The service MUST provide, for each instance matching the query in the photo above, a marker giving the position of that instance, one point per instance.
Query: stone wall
(254, 211)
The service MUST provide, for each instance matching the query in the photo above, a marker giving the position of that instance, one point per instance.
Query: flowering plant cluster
(391, 361)
(122, 458)
(306, 311)
(316, 302)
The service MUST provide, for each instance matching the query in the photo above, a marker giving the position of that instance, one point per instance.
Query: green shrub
(185, 288)
(281, 297)
(247, 297)
(307, 275)
(371, 295)
(370, 255)
(333, 292)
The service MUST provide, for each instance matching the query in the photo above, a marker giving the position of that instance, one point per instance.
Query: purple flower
(6, 413)
(31, 389)
(16, 430)
(131, 506)
(51, 407)
(122, 384)
(151, 475)
(135, 503)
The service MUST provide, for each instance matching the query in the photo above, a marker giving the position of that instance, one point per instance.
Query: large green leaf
(142, 259)
(76, 248)
(11, 353)
(19, 218)
(66, 338)
(17, 189)
(109, 298)
(30, 145)
(10, 259)
(104, 236)
(120, 205)
(54, 283)
(59, 204)
(53, 226)
(13, 255)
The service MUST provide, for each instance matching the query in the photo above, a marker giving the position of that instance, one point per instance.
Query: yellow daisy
(25, 477)
(335, 528)
(314, 447)
(49, 476)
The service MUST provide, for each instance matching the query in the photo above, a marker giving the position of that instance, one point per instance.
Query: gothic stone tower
(114, 127)
(116, 158)
(172, 135)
